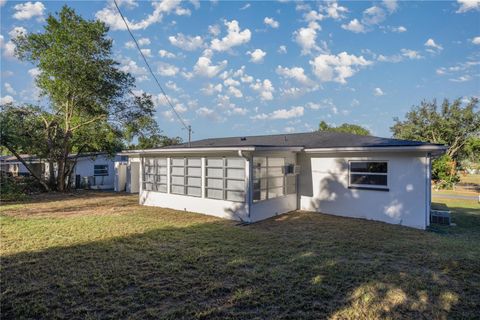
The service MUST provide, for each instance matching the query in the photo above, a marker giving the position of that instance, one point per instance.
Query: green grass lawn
(101, 255)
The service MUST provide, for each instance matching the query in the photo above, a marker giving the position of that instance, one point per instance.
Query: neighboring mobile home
(253, 178)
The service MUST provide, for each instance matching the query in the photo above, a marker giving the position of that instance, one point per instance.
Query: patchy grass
(470, 178)
(100, 255)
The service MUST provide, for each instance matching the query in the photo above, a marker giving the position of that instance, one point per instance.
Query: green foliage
(155, 141)
(92, 106)
(444, 172)
(17, 188)
(451, 124)
(345, 127)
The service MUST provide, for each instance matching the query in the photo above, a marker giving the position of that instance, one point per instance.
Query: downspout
(249, 180)
(428, 198)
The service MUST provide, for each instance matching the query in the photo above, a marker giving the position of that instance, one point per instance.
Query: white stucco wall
(219, 208)
(323, 187)
(85, 168)
(273, 207)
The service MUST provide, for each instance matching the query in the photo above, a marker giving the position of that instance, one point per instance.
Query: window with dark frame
(100, 170)
(368, 174)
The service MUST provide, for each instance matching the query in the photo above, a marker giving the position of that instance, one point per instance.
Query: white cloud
(6, 99)
(8, 48)
(378, 92)
(467, 5)
(463, 78)
(257, 55)
(245, 7)
(264, 88)
(235, 92)
(172, 86)
(296, 73)
(399, 29)
(404, 54)
(110, 16)
(167, 70)
(166, 54)
(188, 43)
(306, 38)
(9, 89)
(391, 5)
(271, 22)
(354, 26)
(337, 67)
(210, 114)
(234, 37)
(214, 30)
(130, 45)
(17, 31)
(130, 66)
(432, 46)
(28, 10)
(204, 67)
(34, 72)
(334, 11)
(282, 49)
(2, 2)
(144, 42)
(411, 54)
(281, 114)
(373, 15)
(211, 89)
(476, 40)
(146, 52)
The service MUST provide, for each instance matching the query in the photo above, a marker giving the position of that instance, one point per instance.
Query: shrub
(444, 172)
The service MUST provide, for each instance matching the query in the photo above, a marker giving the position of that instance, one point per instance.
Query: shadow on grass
(296, 266)
(466, 221)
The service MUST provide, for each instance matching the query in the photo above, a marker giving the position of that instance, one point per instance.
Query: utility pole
(189, 135)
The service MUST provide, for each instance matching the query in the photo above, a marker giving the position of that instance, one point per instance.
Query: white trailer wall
(324, 187)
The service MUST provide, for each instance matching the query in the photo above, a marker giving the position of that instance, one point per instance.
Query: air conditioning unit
(440, 217)
(291, 169)
(296, 169)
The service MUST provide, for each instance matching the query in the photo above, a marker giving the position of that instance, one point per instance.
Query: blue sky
(241, 68)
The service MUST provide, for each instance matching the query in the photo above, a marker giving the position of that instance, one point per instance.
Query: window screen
(270, 179)
(155, 174)
(368, 173)
(225, 179)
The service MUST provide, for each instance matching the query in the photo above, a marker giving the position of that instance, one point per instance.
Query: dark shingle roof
(317, 139)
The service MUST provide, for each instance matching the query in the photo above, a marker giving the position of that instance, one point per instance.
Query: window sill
(369, 188)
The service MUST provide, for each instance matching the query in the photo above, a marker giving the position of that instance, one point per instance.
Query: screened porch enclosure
(236, 186)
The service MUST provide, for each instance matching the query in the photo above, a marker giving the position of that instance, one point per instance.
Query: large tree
(91, 104)
(345, 127)
(452, 124)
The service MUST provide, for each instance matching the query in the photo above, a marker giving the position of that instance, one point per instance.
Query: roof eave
(422, 148)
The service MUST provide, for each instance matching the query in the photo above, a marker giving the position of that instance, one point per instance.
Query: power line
(188, 127)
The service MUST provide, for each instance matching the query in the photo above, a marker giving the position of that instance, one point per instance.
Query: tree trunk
(51, 177)
(61, 174)
(32, 172)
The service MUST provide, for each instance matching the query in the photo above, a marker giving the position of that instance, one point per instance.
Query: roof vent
(243, 139)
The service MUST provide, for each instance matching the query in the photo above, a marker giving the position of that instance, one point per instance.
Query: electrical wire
(188, 127)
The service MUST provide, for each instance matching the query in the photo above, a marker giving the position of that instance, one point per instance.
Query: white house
(256, 177)
(93, 170)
